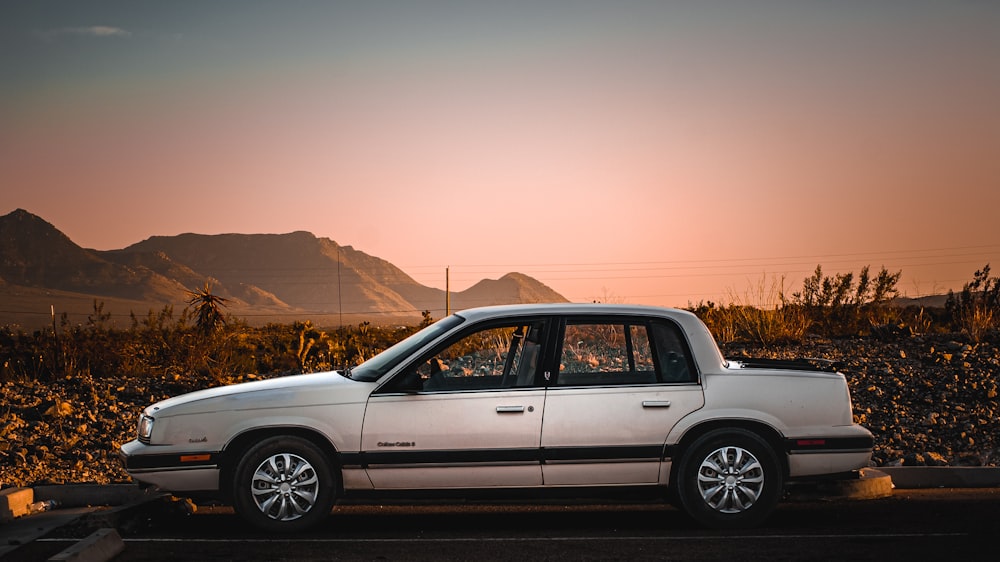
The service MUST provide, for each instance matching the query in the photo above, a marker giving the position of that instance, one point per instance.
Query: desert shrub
(921, 320)
(843, 305)
(760, 315)
(837, 306)
(735, 322)
(976, 309)
(26, 356)
(153, 343)
(318, 351)
(764, 315)
(780, 325)
(160, 345)
(717, 319)
(366, 340)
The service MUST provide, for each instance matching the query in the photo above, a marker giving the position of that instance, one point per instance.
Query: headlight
(145, 428)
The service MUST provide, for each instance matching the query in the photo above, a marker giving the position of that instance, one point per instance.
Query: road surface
(946, 524)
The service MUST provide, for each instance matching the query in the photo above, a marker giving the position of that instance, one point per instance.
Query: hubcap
(285, 487)
(730, 479)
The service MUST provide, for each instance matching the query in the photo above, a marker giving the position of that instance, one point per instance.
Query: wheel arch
(239, 445)
(769, 434)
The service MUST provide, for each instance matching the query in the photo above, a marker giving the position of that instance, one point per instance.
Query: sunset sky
(638, 151)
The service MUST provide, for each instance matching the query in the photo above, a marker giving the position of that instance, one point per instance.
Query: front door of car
(621, 386)
(466, 415)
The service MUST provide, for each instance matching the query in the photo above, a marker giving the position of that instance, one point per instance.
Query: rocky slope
(928, 400)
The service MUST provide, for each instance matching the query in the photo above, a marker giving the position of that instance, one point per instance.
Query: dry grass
(763, 314)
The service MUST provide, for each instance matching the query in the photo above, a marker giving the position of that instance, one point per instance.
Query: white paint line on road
(533, 539)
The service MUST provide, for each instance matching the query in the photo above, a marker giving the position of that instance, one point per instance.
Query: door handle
(510, 409)
(656, 403)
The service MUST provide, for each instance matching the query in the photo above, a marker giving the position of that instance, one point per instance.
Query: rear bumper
(850, 449)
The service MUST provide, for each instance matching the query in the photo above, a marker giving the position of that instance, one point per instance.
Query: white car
(517, 402)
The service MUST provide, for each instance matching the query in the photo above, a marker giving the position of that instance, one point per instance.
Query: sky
(652, 152)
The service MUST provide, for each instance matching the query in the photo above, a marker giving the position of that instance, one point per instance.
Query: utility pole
(340, 298)
(447, 291)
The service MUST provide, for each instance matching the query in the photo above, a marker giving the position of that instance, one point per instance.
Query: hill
(265, 277)
(33, 253)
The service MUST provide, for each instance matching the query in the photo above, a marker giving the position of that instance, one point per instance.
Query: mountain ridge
(293, 275)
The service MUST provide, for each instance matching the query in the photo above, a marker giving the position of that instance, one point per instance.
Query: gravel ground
(929, 400)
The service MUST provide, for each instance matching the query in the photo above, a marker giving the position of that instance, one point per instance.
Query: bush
(976, 310)
(761, 315)
(160, 346)
(838, 306)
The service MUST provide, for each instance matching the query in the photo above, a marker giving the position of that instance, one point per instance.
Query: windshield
(372, 369)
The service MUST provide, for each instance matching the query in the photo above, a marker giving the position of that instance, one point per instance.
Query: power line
(684, 263)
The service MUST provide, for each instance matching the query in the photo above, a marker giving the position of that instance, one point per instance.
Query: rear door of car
(468, 414)
(619, 384)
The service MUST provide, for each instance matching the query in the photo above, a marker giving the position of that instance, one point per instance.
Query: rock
(934, 459)
(897, 396)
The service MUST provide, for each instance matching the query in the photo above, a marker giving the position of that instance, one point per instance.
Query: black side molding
(171, 461)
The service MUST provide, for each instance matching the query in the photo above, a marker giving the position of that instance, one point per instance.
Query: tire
(283, 484)
(729, 478)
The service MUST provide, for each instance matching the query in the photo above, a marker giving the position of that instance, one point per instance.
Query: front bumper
(189, 471)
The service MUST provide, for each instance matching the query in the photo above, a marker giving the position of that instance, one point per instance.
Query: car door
(621, 385)
(466, 415)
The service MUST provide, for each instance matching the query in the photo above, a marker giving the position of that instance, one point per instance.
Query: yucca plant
(207, 309)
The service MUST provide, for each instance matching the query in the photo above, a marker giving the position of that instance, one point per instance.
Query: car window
(676, 363)
(382, 363)
(491, 357)
(622, 352)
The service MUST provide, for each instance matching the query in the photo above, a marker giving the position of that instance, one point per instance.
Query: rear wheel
(283, 484)
(729, 478)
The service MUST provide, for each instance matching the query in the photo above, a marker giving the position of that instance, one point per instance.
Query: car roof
(500, 311)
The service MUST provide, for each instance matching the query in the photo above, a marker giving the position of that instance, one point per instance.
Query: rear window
(623, 352)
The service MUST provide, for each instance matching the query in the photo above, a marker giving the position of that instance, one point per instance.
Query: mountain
(929, 301)
(163, 265)
(304, 271)
(265, 277)
(317, 274)
(513, 287)
(33, 253)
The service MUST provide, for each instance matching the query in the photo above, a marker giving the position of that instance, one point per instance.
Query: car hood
(293, 391)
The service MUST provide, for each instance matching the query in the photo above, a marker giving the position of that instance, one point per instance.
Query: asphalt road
(946, 524)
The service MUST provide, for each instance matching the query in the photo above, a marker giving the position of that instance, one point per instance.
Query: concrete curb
(82, 495)
(871, 484)
(98, 506)
(25, 530)
(15, 502)
(867, 484)
(943, 476)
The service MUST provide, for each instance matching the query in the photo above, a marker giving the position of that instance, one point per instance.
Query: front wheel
(729, 478)
(283, 484)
